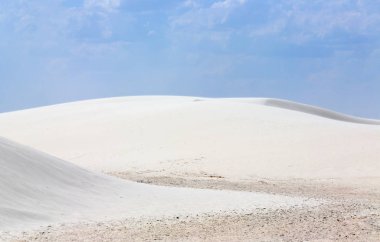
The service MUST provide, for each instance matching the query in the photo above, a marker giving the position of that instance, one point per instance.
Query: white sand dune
(37, 189)
(299, 107)
(235, 138)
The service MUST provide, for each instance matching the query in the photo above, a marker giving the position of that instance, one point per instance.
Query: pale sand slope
(188, 136)
(37, 189)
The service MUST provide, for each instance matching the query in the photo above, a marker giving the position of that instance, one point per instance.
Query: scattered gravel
(349, 214)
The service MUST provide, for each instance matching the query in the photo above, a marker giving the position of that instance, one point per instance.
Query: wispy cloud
(208, 16)
(197, 23)
(106, 5)
(302, 21)
(227, 4)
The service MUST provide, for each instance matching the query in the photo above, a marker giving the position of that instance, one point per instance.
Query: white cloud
(91, 50)
(202, 23)
(228, 4)
(190, 4)
(107, 5)
(206, 16)
(301, 21)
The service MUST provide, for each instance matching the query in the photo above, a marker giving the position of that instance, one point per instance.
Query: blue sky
(325, 53)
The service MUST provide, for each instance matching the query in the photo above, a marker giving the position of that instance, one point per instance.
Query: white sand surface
(238, 138)
(37, 189)
(326, 165)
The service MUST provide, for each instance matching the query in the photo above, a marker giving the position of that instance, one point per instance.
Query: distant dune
(299, 107)
(235, 138)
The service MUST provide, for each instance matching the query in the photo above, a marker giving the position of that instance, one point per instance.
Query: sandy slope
(188, 136)
(37, 189)
(299, 107)
(245, 144)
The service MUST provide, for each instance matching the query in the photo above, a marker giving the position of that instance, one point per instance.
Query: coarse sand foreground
(343, 215)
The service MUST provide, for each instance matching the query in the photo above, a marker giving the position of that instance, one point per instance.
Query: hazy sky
(320, 52)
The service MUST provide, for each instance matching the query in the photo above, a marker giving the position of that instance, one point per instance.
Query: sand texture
(188, 168)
